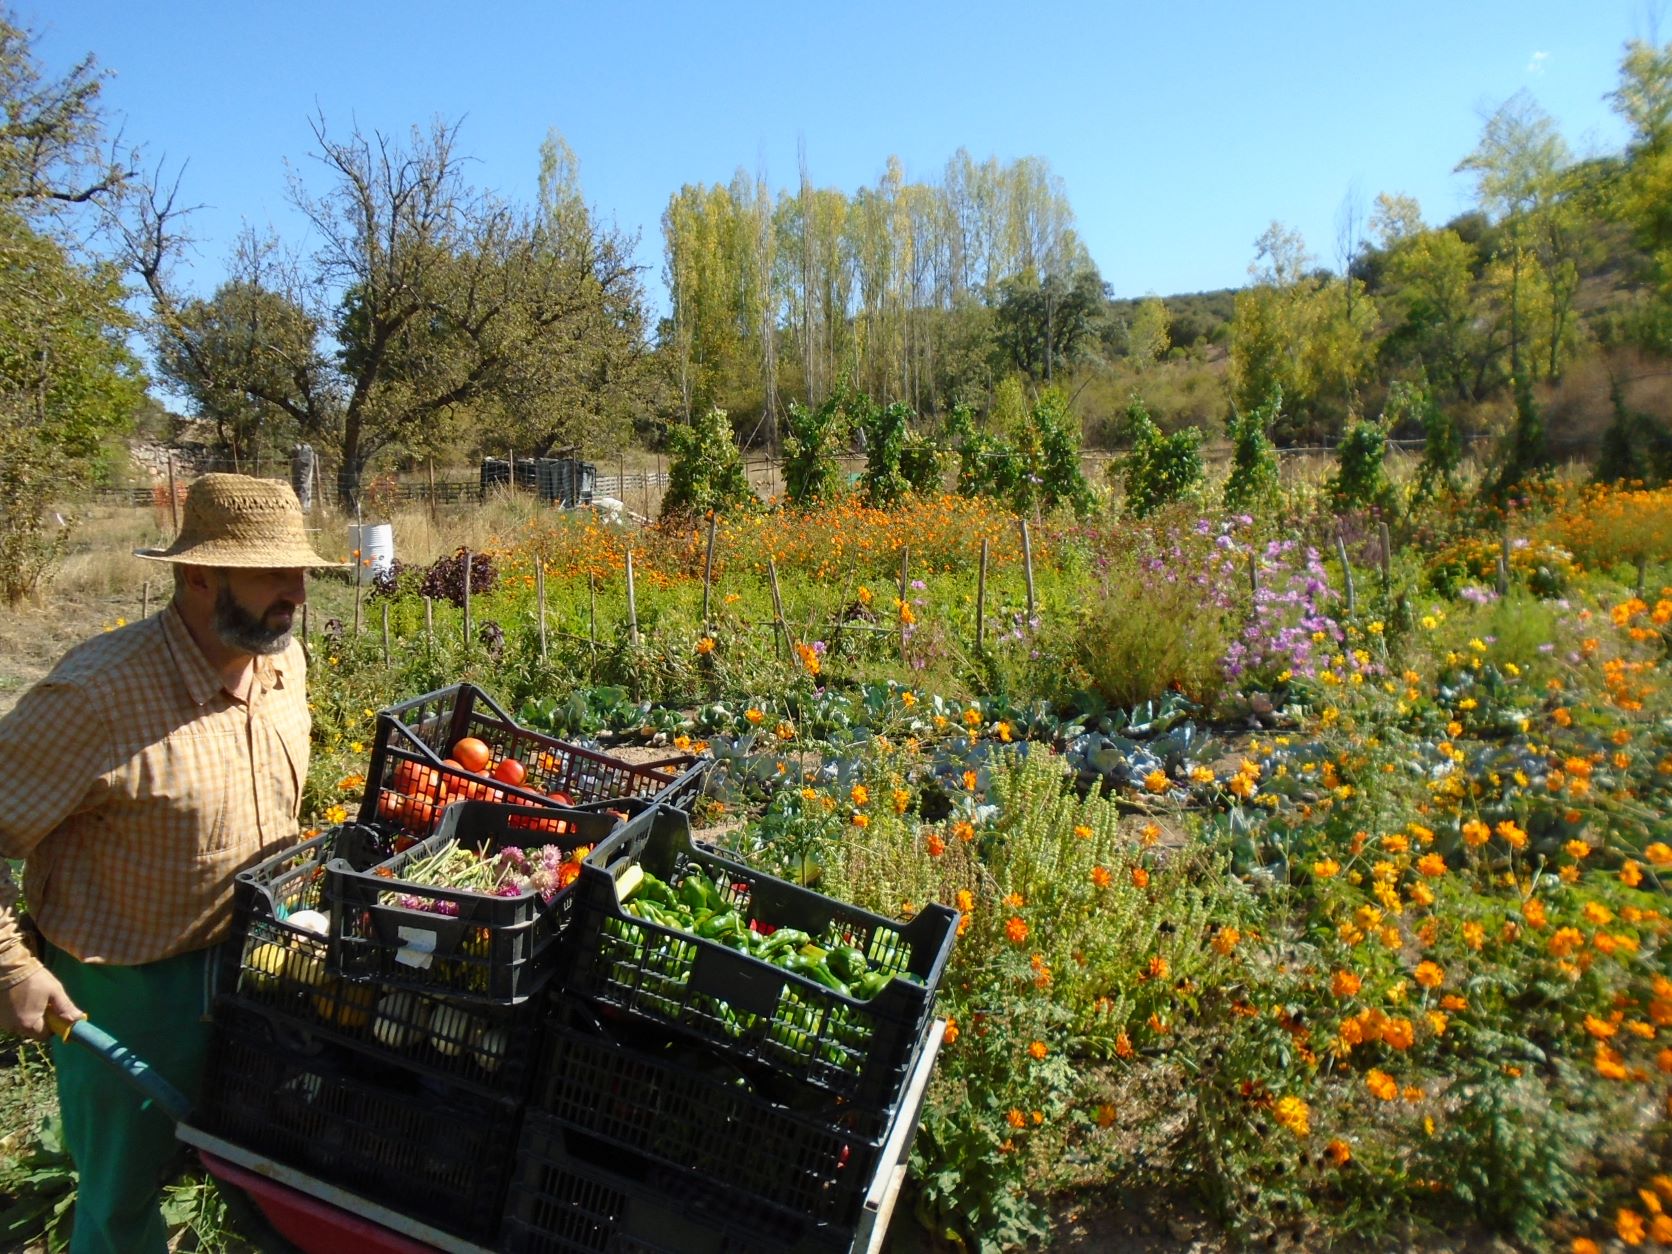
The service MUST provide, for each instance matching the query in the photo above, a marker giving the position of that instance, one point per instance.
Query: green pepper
(725, 923)
(697, 891)
(655, 890)
(785, 938)
(847, 963)
(870, 984)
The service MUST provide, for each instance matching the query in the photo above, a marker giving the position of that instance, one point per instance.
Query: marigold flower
(1105, 1116)
(1474, 935)
(1476, 833)
(1328, 868)
(1584, 1245)
(1225, 940)
(1294, 1114)
(950, 1035)
(1037, 1050)
(1339, 1152)
(1016, 929)
(705, 645)
(1382, 1086)
(1082, 831)
(1631, 874)
(1100, 877)
(859, 820)
(1149, 834)
(1629, 1225)
(1016, 1118)
(1158, 968)
(1399, 1034)
(1345, 984)
(1512, 834)
(1534, 913)
(1140, 877)
(1659, 854)
(935, 843)
(1430, 974)
(1597, 913)
(972, 717)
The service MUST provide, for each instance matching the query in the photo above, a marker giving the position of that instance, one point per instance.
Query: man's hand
(23, 1006)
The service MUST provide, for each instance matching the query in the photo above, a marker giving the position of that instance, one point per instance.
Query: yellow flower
(1082, 831)
(1382, 1086)
(908, 699)
(705, 645)
(336, 814)
(1326, 869)
(859, 794)
(1293, 1114)
(972, 717)
(1157, 781)
(1430, 974)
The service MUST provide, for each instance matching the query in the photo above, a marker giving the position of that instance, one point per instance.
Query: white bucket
(371, 547)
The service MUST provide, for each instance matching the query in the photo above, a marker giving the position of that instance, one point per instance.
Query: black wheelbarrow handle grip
(132, 1068)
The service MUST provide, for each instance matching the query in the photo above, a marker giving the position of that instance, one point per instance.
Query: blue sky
(1180, 130)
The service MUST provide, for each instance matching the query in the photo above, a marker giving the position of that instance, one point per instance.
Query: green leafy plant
(812, 440)
(885, 431)
(1158, 469)
(706, 474)
(1360, 480)
(1253, 482)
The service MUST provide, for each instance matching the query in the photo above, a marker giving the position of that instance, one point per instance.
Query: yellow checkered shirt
(135, 787)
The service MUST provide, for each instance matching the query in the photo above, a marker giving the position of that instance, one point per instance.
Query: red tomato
(510, 771)
(473, 754)
(562, 798)
(417, 780)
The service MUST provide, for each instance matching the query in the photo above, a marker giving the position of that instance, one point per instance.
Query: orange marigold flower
(950, 1035)
(1382, 1086)
(964, 830)
(1037, 1050)
(1016, 1118)
(859, 820)
(1100, 877)
(1326, 869)
(936, 844)
(1105, 1116)
(1157, 781)
(1015, 900)
(705, 645)
(1339, 1152)
(1659, 854)
(1629, 1225)
(1512, 834)
(1534, 913)
(1123, 1048)
(1474, 935)
(1082, 831)
(1399, 1034)
(1140, 877)
(1430, 974)
(1631, 874)
(1158, 968)
(1149, 834)
(1225, 940)
(1476, 833)
(1345, 984)
(1294, 1114)
(1431, 865)
(1016, 929)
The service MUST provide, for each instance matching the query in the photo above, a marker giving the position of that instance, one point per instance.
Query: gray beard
(238, 629)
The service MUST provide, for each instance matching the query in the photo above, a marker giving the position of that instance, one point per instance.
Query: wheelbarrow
(320, 1218)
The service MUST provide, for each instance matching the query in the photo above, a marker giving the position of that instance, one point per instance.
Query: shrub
(1360, 480)
(1159, 469)
(706, 475)
(1153, 630)
(885, 440)
(811, 473)
(1253, 482)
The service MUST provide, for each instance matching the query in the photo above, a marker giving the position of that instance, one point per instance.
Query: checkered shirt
(135, 787)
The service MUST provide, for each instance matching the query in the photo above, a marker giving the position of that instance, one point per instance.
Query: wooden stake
(1346, 572)
(386, 635)
(1027, 567)
(1642, 573)
(644, 482)
(429, 619)
(540, 597)
(432, 492)
(466, 553)
(359, 592)
(981, 600)
(1386, 540)
(632, 605)
(781, 631)
(592, 618)
(708, 570)
(621, 478)
(1253, 573)
(145, 600)
(173, 504)
(905, 576)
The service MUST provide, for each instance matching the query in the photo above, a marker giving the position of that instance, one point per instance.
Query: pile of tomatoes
(417, 793)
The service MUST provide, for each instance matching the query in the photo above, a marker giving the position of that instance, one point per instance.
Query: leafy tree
(1644, 100)
(441, 299)
(706, 472)
(1056, 463)
(67, 379)
(1442, 451)
(1046, 323)
(1635, 447)
(1253, 482)
(1158, 469)
(1148, 336)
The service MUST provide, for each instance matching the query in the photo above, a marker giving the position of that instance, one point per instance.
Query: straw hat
(234, 520)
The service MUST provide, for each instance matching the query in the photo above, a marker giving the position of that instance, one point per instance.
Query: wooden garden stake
(145, 599)
(632, 605)
(1027, 567)
(359, 592)
(781, 632)
(466, 553)
(592, 610)
(1346, 572)
(386, 635)
(359, 565)
(429, 620)
(905, 576)
(432, 492)
(540, 596)
(708, 570)
(1387, 555)
(1253, 573)
(173, 503)
(981, 600)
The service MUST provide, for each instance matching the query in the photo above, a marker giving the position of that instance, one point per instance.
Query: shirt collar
(203, 682)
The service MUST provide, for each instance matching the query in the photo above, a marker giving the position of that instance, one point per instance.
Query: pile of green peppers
(801, 1028)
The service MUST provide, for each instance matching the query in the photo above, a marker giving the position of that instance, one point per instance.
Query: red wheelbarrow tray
(319, 1218)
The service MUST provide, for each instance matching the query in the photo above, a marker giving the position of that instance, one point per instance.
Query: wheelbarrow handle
(129, 1065)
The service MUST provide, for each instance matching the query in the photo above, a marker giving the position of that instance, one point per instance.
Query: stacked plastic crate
(692, 1098)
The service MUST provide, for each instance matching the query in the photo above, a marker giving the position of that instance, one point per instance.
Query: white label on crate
(417, 945)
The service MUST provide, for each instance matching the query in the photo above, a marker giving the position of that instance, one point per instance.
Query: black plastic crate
(455, 942)
(750, 1129)
(439, 1154)
(572, 1194)
(746, 1007)
(410, 783)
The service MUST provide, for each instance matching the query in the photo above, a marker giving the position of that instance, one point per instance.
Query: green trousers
(123, 1146)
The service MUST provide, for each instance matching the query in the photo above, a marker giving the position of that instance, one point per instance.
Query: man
(154, 763)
